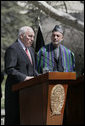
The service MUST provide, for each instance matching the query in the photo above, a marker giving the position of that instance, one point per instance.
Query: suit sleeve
(11, 65)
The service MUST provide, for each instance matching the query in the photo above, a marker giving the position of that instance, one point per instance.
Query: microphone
(46, 69)
(48, 59)
(55, 62)
(59, 65)
(36, 73)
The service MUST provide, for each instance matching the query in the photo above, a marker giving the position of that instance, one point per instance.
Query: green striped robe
(45, 59)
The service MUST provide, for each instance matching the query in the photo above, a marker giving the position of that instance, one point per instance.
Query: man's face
(56, 37)
(27, 38)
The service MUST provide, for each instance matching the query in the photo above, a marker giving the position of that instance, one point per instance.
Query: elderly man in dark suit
(19, 66)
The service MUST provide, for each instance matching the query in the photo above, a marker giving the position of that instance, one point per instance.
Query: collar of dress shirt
(21, 44)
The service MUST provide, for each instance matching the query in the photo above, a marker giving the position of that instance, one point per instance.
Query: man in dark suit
(19, 67)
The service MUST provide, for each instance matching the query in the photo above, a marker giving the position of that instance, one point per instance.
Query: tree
(13, 16)
(11, 21)
(61, 16)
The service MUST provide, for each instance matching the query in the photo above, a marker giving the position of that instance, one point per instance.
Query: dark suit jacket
(17, 67)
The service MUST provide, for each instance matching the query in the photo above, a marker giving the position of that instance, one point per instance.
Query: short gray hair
(24, 29)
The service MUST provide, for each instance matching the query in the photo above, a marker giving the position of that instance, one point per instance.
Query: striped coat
(45, 58)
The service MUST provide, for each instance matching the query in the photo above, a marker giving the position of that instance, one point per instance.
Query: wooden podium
(42, 99)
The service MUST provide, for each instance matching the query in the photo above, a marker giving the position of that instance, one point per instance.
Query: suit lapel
(23, 53)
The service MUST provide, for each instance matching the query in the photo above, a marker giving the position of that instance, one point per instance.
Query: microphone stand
(47, 69)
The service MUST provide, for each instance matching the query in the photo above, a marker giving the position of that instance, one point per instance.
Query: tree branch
(60, 16)
(65, 6)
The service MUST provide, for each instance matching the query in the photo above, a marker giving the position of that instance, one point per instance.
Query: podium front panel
(33, 105)
(55, 114)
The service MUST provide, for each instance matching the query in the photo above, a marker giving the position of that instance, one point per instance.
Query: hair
(24, 29)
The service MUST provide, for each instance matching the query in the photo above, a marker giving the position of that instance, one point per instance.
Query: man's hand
(28, 78)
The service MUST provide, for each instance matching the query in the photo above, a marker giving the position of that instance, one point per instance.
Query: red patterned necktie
(28, 55)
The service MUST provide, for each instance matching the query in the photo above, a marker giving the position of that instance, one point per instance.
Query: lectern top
(50, 76)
